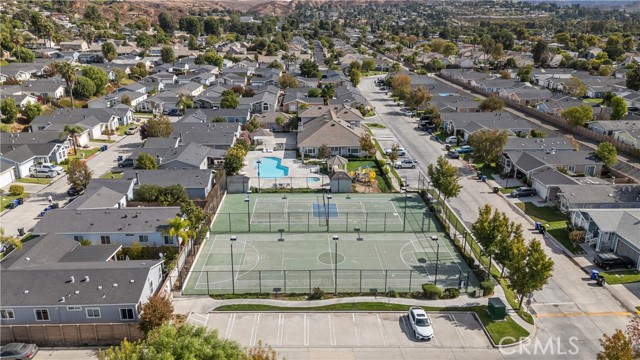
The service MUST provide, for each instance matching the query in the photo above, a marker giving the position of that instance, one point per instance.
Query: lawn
(508, 191)
(370, 113)
(490, 170)
(104, 141)
(562, 235)
(6, 199)
(87, 153)
(543, 214)
(77, 103)
(373, 73)
(592, 101)
(112, 175)
(376, 125)
(30, 180)
(621, 276)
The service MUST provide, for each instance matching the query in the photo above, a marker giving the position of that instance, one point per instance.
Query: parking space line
(227, 333)
(457, 326)
(355, 328)
(254, 330)
(332, 332)
(306, 331)
(384, 333)
(280, 330)
(408, 329)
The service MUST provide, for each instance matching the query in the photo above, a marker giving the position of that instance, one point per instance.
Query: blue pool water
(271, 167)
(314, 179)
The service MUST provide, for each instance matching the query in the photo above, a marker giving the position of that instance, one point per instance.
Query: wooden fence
(70, 334)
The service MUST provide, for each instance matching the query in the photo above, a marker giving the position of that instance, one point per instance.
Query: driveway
(66, 354)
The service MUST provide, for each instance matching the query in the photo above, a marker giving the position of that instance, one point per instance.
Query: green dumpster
(496, 309)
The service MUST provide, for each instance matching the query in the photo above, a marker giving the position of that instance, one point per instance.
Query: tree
(189, 342)
(618, 107)
(138, 71)
(126, 100)
(578, 115)
(125, 351)
(156, 127)
(185, 102)
(287, 81)
(146, 161)
(417, 97)
(167, 55)
(401, 85)
(575, 86)
(229, 101)
(98, 76)
(488, 227)
(395, 67)
(194, 214)
(157, 311)
(180, 229)
(366, 144)
(233, 160)
(281, 121)
(368, 65)
(31, 111)
(445, 178)
(506, 75)
(6, 240)
(510, 236)
(91, 13)
(617, 347)
(529, 269)
(539, 52)
(252, 124)
(328, 91)
(119, 75)
(323, 151)
(9, 110)
(84, 88)
(260, 352)
(607, 153)
(109, 51)
(78, 174)
(192, 43)
(434, 65)
(73, 131)
(68, 73)
(633, 78)
(524, 73)
(166, 22)
(492, 103)
(24, 55)
(354, 76)
(488, 145)
(309, 69)
(314, 93)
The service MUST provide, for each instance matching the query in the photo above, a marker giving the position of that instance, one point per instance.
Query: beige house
(341, 136)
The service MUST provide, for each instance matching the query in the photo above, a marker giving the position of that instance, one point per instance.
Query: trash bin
(16, 203)
(21, 231)
(601, 281)
(496, 189)
(595, 274)
(20, 201)
(542, 229)
(12, 205)
(103, 148)
(538, 225)
(484, 178)
(479, 175)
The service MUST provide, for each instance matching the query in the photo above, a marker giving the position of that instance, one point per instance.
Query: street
(593, 310)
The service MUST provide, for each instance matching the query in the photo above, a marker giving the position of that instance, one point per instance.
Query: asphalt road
(569, 308)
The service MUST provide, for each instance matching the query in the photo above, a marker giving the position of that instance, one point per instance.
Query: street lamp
(259, 162)
(406, 194)
(328, 213)
(335, 291)
(435, 238)
(248, 201)
(233, 278)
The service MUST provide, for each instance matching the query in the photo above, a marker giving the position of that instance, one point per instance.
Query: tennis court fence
(319, 221)
(348, 281)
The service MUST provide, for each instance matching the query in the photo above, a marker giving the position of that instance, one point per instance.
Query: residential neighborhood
(464, 175)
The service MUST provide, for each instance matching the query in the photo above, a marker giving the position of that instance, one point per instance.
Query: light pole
(328, 212)
(248, 201)
(404, 221)
(233, 278)
(335, 240)
(435, 238)
(259, 162)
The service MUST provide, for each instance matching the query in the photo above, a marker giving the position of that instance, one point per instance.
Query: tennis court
(319, 212)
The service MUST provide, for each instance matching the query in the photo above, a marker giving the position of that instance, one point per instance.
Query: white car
(51, 167)
(407, 112)
(452, 140)
(132, 130)
(43, 173)
(401, 152)
(420, 323)
(406, 164)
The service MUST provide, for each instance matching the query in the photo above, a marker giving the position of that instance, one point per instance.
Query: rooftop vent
(28, 258)
(77, 292)
(72, 279)
(115, 285)
(26, 292)
(99, 287)
(62, 299)
(131, 281)
(86, 278)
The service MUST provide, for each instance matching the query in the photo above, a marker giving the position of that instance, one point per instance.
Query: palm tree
(9, 240)
(73, 131)
(68, 73)
(180, 229)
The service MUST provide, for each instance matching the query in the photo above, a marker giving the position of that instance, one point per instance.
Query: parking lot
(356, 330)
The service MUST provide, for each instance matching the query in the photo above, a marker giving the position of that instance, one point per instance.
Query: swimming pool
(313, 179)
(271, 167)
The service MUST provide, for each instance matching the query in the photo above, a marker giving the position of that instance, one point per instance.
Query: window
(572, 168)
(74, 308)
(7, 314)
(126, 314)
(310, 150)
(151, 286)
(143, 238)
(354, 150)
(42, 314)
(335, 149)
(93, 313)
(168, 240)
(129, 234)
(265, 107)
(78, 237)
(105, 239)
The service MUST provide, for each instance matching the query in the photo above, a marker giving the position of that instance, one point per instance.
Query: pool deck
(300, 175)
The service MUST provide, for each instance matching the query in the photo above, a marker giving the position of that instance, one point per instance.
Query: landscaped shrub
(450, 293)
(481, 274)
(316, 294)
(431, 291)
(392, 294)
(16, 190)
(487, 287)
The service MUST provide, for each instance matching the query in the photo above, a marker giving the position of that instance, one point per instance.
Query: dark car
(523, 191)
(452, 154)
(14, 351)
(126, 163)
(611, 260)
(73, 191)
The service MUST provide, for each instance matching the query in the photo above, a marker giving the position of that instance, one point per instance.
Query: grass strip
(621, 277)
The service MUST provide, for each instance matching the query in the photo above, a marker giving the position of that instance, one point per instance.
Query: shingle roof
(189, 179)
(215, 134)
(551, 176)
(329, 129)
(604, 194)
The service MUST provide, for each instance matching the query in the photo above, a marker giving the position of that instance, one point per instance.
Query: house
(262, 102)
(45, 89)
(214, 135)
(495, 85)
(232, 79)
(296, 99)
(113, 99)
(342, 136)
(610, 230)
(197, 183)
(465, 124)
(547, 183)
(55, 280)
(78, 45)
(552, 144)
(24, 150)
(161, 78)
(571, 162)
(25, 71)
(346, 113)
(270, 121)
(557, 104)
(526, 96)
(191, 89)
(7, 174)
(124, 226)
(104, 194)
(612, 127)
(22, 100)
(209, 115)
(584, 196)
(93, 121)
(161, 103)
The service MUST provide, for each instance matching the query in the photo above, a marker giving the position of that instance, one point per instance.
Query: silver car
(420, 323)
(406, 164)
(15, 351)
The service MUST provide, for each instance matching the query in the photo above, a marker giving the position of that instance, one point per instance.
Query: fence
(70, 334)
(447, 275)
(292, 222)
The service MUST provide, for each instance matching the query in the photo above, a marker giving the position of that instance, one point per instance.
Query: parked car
(401, 152)
(405, 164)
(453, 154)
(406, 112)
(465, 149)
(523, 191)
(43, 173)
(174, 112)
(608, 261)
(52, 167)
(451, 140)
(18, 351)
(132, 130)
(420, 323)
(73, 191)
(126, 163)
